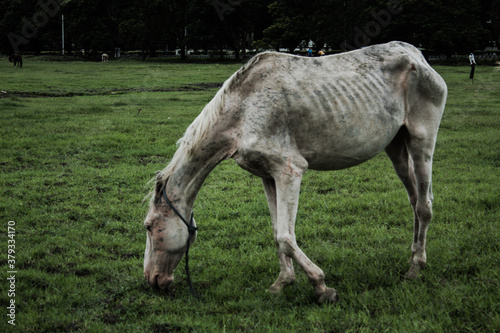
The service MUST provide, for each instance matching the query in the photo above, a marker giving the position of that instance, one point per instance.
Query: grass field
(76, 154)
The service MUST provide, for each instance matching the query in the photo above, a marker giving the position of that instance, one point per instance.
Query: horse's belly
(343, 124)
(338, 141)
(335, 160)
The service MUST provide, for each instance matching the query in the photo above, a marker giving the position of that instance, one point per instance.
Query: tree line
(439, 26)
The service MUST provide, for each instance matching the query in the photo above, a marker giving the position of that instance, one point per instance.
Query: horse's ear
(159, 185)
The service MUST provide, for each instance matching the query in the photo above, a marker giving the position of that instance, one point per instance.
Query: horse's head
(167, 239)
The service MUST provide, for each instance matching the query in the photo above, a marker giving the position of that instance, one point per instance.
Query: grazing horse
(104, 57)
(280, 115)
(17, 60)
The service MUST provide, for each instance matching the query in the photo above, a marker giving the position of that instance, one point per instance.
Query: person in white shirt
(472, 61)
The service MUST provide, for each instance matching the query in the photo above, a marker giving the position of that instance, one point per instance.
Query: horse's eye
(148, 227)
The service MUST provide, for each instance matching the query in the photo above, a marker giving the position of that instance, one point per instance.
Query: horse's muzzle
(161, 281)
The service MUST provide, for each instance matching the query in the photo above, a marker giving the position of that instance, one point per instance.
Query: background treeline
(440, 26)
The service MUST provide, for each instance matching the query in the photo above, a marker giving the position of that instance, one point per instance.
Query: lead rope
(191, 230)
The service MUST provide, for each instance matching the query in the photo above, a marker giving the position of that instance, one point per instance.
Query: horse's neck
(189, 175)
(193, 167)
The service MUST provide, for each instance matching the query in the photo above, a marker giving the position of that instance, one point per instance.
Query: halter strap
(192, 230)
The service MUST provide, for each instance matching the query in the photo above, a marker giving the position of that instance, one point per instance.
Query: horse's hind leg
(411, 153)
(421, 152)
(403, 165)
(287, 274)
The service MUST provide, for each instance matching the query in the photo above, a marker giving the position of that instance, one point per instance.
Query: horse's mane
(199, 128)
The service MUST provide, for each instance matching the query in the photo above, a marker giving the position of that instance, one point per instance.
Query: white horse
(104, 57)
(280, 115)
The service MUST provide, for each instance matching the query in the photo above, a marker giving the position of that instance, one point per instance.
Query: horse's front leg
(287, 274)
(288, 182)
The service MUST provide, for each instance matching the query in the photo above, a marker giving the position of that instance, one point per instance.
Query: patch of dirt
(97, 92)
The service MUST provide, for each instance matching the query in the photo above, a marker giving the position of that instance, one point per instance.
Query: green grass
(73, 176)
(95, 78)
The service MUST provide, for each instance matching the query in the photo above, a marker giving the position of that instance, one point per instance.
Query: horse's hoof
(281, 283)
(329, 296)
(275, 289)
(414, 271)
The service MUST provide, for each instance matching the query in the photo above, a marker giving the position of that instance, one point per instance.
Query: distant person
(309, 52)
(321, 53)
(472, 61)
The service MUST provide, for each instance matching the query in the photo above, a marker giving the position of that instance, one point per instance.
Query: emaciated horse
(17, 60)
(277, 122)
